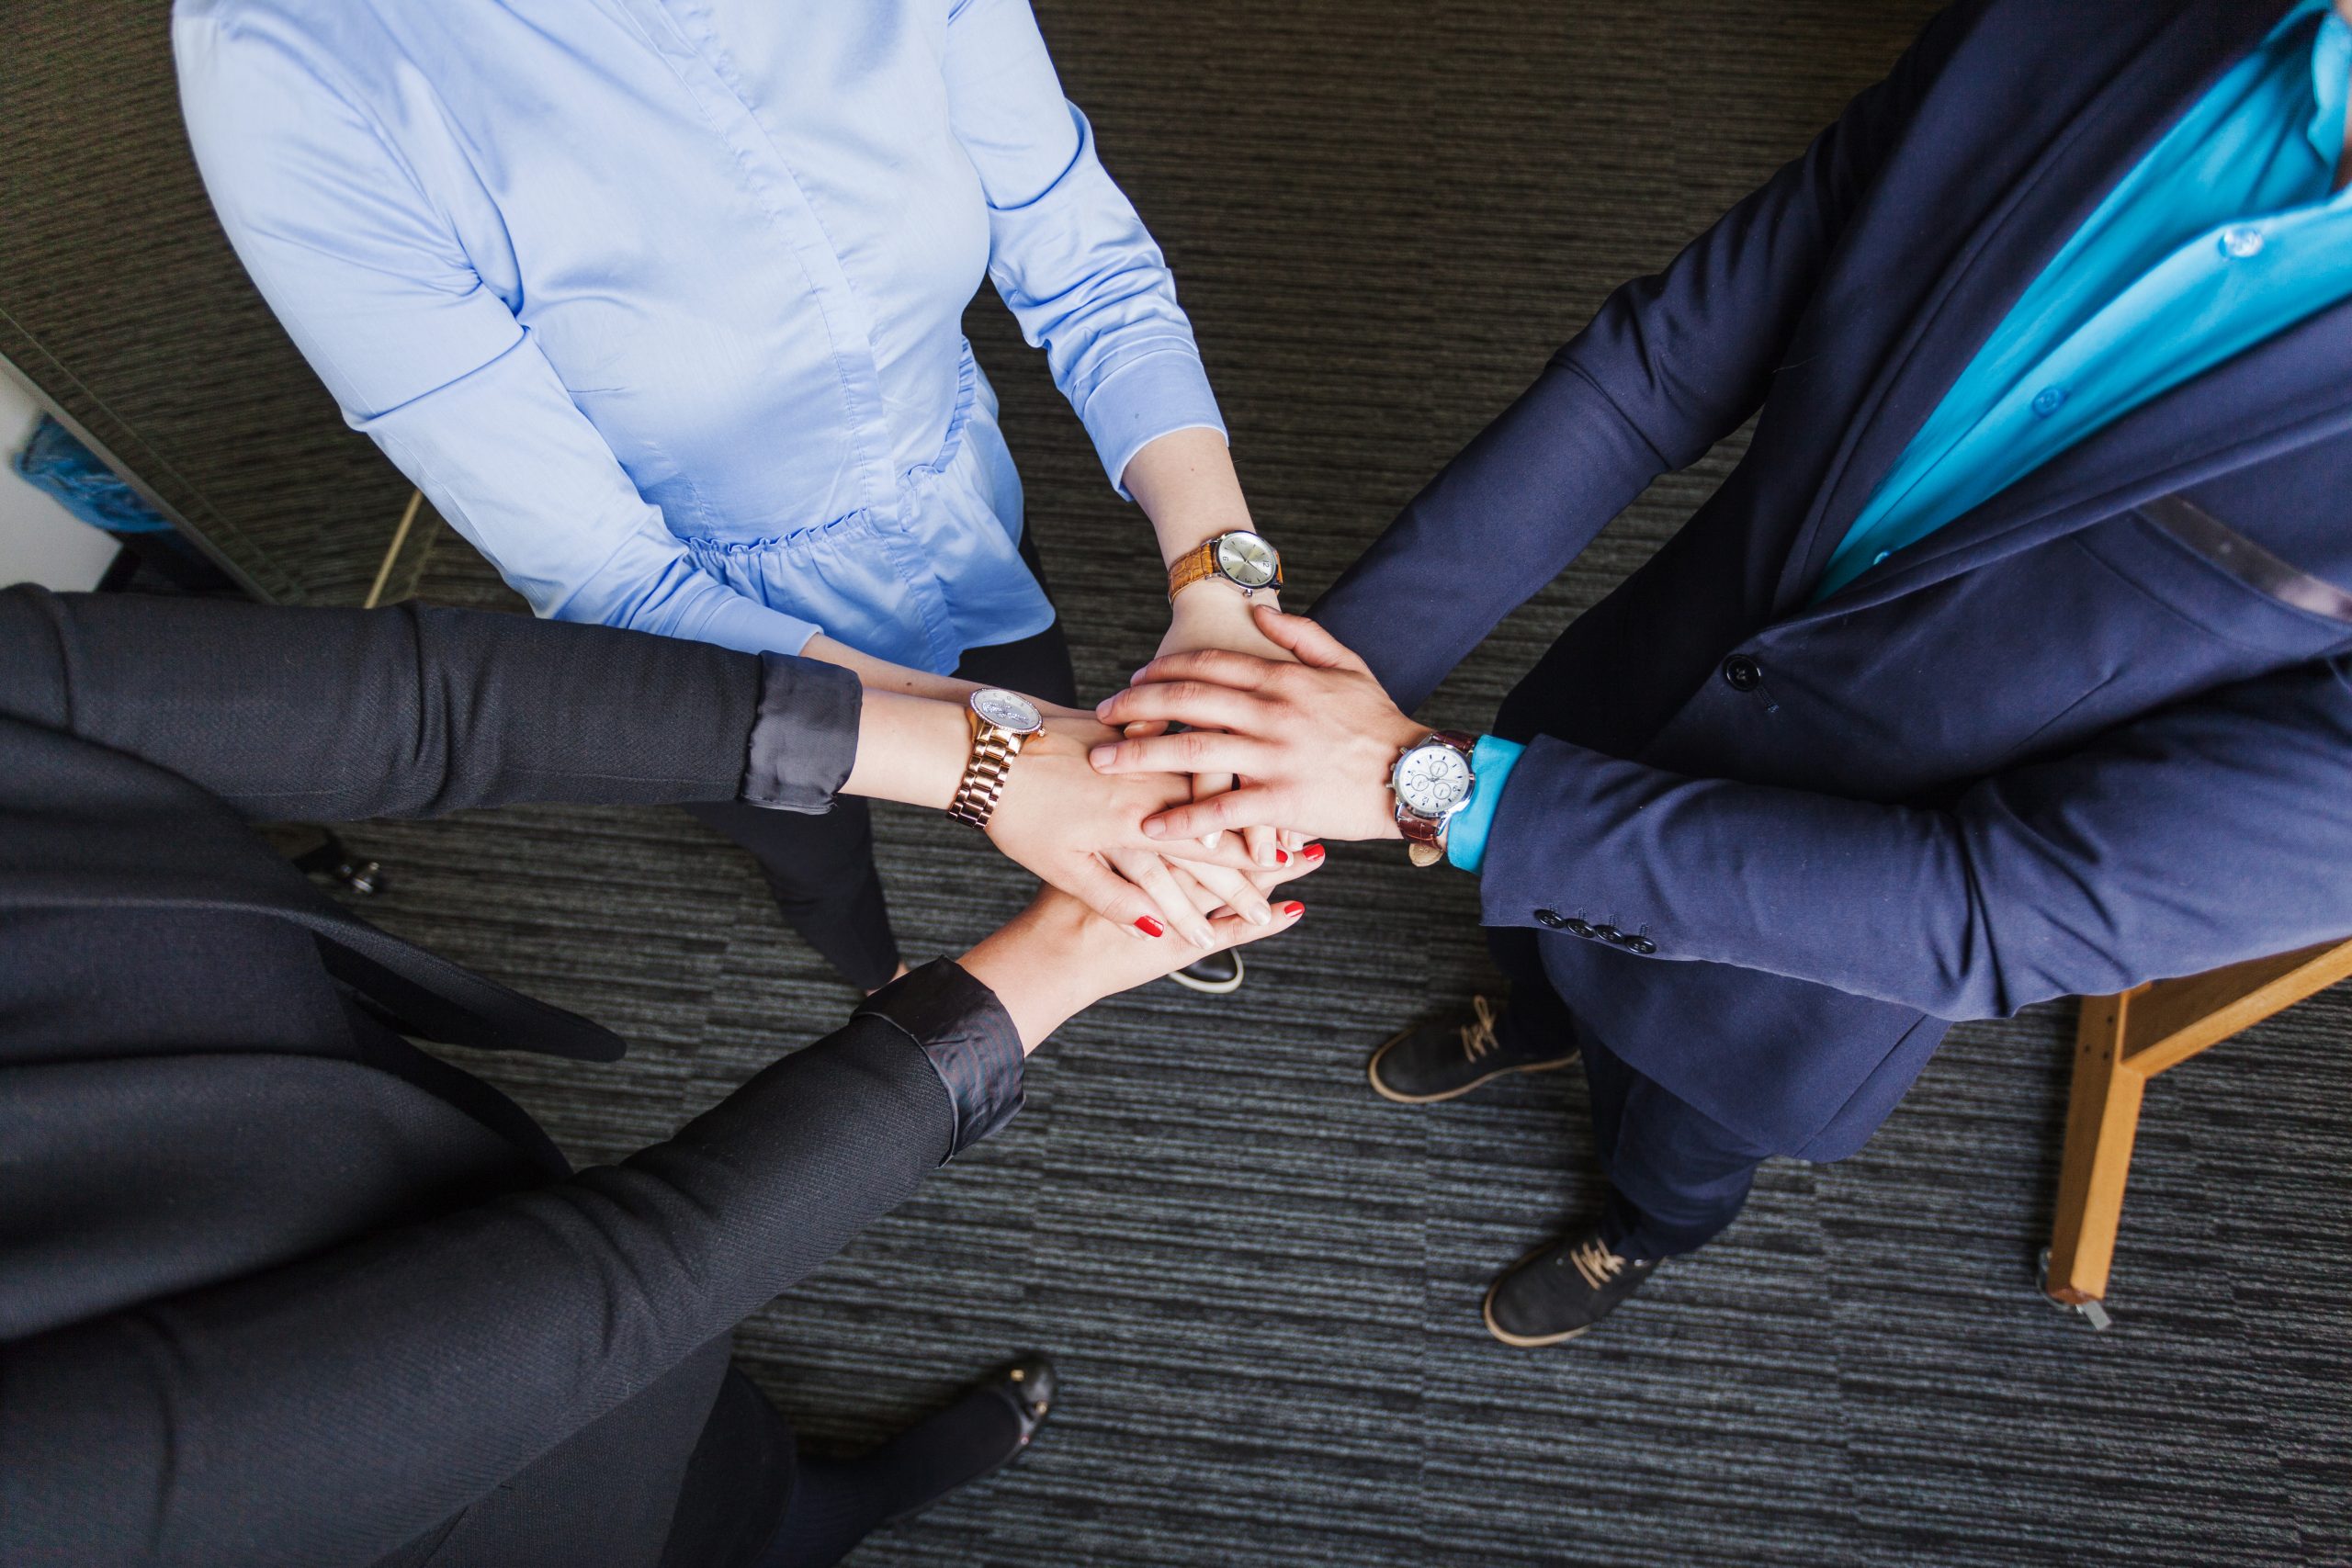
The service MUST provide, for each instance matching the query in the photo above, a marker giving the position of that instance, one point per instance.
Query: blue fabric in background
(56, 464)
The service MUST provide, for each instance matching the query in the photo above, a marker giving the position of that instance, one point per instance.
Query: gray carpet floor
(1260, 1282)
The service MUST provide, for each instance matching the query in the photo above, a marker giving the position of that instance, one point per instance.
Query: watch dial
(1246, 558)
(1008, 710)
(1432, 780)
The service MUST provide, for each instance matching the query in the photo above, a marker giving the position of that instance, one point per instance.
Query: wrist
(1030, 972)
(1394, 739)
(910, 750)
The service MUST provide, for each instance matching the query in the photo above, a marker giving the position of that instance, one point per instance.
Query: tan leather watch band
(1199, 563)
(993, 749)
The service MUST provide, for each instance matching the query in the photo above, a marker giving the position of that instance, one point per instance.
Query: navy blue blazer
(2094, 732)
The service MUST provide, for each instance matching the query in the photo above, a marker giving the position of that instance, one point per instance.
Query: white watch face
(1432, 780)
(1247, 559)
(1008, 710)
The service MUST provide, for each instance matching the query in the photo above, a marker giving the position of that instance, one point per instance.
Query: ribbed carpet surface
(1260, 1282)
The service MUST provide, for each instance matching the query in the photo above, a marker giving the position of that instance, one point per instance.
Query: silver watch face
(1008, 710)
(1247, 559)
(1433, 780)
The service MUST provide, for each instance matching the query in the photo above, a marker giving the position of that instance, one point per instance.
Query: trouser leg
(1675, 1176)
(821, 871)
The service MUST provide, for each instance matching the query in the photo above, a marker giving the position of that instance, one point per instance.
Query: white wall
(39, 540)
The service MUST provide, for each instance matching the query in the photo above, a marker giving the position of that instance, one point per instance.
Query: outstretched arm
(1670, 365)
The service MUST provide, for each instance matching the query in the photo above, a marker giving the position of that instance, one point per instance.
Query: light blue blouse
(659, 300)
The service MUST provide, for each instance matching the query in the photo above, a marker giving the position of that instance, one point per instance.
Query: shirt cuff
(805, 740)
(959, 1024)
(1161, 393)
(1491, 761)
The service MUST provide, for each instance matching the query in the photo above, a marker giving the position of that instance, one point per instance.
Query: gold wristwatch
(1000, 721)
(1240, 558)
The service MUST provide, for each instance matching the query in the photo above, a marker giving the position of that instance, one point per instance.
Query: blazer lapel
(2284, 392)
(2140, 96)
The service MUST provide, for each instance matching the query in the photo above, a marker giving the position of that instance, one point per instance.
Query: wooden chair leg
(2102, 1116)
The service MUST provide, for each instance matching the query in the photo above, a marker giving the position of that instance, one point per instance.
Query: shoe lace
(1478, 1035)
(1596, 1263)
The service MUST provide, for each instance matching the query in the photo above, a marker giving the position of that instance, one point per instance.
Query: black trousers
(821, 868)
(1676, 1177)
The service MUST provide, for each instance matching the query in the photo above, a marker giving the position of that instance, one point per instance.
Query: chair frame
(2123, 1041)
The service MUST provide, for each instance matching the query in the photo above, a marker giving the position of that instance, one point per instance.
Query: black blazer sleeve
(331, 1410)
(411, 711)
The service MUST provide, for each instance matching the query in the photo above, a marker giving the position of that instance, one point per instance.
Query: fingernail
(1155, 829)
(1102, 708)
(1150, 926)
(1313, 851)
(1136, 676)
(1101, 756)
(1281, 857)
(1293, 907)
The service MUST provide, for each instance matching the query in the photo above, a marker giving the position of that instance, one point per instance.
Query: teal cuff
(1465, 841)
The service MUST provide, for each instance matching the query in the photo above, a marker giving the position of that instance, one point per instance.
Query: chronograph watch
(1433, 782)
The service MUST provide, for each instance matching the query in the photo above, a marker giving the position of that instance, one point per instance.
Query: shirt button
(1743, 674)
(1550, 918)
(2049, 400)
(2241, 242)
(1579, 927)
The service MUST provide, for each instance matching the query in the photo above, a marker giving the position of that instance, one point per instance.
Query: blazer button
(1579, 927)
(1608, 934)
(1640, 945)
(1743, 674)
(1550, 918)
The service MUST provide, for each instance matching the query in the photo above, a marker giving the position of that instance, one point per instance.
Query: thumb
(1307, 641)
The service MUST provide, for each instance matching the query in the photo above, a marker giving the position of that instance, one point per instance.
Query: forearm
(881, 675)
(459, 1350)
(2065, 877)
(339, 715)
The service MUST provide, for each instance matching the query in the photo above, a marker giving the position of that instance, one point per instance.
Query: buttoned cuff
(805, 740)
(959, 1024)
(1154, 395)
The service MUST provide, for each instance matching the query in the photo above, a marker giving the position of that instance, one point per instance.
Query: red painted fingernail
(1293, 907)
(1150, 927)
(1281, 857)
(1313, 851)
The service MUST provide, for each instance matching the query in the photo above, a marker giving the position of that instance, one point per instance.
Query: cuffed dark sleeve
(958, 1023)
(805, 740)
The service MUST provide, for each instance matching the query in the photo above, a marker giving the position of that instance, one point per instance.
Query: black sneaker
(1217, 975)
(1558, 1292)
(1430, 1062)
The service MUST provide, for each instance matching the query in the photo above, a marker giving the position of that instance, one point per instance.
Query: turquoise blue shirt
(2226, 233)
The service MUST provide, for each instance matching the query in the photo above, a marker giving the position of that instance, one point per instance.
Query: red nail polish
(1293, 907)
(1313, 851)
(1150, 926)
(1281, 857)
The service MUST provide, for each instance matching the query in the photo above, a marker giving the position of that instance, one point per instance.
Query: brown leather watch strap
(1425, 836)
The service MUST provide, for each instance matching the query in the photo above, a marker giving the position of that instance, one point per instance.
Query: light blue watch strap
(1465, 838)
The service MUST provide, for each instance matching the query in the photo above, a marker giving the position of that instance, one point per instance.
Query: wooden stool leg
(2102, 1116)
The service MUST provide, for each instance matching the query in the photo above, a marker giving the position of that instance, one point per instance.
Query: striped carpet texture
(1261, 1282)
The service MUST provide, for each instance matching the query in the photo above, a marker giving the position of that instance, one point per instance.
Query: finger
(1232, 931)
(1110, 895)
(1149, 873)
(1192, 751)
(1202, 703)
(1235, 890)
(1298, 866)
(1237, 809)
(1139, 731)
(1264, 845)
(1226, 852)
(1218, 666)
(1308, 640)
(1203, 786)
